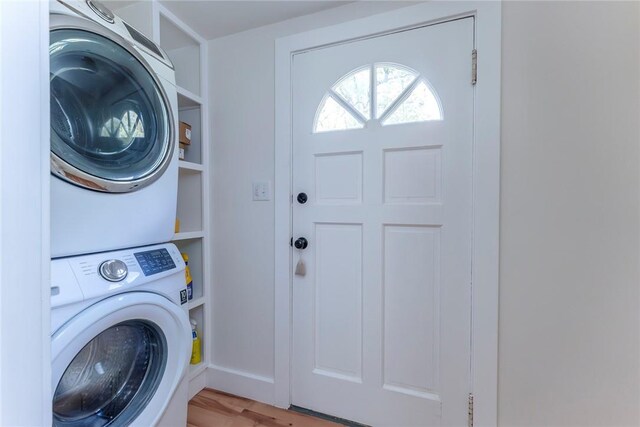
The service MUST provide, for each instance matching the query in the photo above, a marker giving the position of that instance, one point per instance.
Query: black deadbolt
(301, 243)
(302, 198)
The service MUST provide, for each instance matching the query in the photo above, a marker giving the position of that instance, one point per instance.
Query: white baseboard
(241, 383)
(197, 383)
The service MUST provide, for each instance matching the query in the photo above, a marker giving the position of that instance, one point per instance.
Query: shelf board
(195, 370)
(195, 303)
(187, 99)
(186, 235)
(190, 166)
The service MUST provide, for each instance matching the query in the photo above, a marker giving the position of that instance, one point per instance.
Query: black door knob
(301, 243)
(302, 198)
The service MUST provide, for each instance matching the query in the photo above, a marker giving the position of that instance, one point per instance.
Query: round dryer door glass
(111, 128)
(113, 377)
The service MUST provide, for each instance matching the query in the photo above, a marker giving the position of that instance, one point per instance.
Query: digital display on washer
(156, 261)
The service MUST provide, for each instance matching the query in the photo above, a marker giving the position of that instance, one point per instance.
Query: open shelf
(189, 210)
(184, 52)
(187, 100)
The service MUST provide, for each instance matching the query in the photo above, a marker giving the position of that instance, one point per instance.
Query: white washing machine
(120, 339)
(113, 133)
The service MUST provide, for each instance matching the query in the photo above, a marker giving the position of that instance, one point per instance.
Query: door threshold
(326, 417)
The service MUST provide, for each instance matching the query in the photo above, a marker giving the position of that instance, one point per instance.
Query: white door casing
(486, 182)
(381, 320)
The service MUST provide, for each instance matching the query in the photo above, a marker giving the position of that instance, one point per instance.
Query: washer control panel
(158, 268)
(154, 261)
(114, 270)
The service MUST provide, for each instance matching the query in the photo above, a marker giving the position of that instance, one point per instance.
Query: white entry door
(382, 148)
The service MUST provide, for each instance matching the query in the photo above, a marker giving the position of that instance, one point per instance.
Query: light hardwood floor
(211, 408)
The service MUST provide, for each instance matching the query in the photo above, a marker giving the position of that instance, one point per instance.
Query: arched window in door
(385, 92)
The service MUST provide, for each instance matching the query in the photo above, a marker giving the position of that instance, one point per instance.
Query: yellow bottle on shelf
(189, 279)
(196, 350)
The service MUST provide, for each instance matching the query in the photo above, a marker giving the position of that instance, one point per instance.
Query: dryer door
(111, 124)
(119, 361)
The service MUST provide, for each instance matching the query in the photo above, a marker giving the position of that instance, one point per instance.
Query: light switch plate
(261, 191)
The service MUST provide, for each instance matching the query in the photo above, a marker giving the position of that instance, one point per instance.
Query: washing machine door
(119, 362)
(111, 124)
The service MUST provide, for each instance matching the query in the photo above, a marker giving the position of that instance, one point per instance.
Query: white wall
(25, 372)
(242, 123)
(569, 315)
(569, 291)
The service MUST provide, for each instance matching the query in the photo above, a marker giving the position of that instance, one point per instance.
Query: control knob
(114, 270)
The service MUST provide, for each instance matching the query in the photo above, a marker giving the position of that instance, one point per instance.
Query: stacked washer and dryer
(120, 335)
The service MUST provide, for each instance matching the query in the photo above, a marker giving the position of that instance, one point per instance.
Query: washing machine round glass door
(119, 361)
(111, 124)
(114, 376)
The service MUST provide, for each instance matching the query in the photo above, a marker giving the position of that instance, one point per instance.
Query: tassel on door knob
(301, 243)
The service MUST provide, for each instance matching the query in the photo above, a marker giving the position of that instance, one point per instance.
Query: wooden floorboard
(212, 408)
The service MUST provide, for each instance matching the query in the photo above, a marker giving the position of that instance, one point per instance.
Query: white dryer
(120, 339)
(113, 133)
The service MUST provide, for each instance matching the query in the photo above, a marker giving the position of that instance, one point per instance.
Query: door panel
(381, 319)
(338, 300)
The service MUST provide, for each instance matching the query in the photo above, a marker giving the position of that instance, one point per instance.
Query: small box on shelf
(190, 134)
(184, 136)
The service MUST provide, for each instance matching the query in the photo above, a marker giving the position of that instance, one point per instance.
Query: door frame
(486, 183)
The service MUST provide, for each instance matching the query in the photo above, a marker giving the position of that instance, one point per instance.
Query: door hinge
(470, 410)
(474, 66)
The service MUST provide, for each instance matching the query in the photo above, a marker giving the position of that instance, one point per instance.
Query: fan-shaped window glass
(334, 116)
(355, 88)
(391, 82)
(389, 93)
(420, 106)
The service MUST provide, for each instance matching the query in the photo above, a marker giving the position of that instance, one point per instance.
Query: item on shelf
(176, 228)
(184, 136)
(196, 351)
(187, 273)
(181, 151)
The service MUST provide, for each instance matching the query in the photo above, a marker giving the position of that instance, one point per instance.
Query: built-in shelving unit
(187, 51)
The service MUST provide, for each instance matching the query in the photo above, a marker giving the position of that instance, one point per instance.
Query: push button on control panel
(113, 270)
